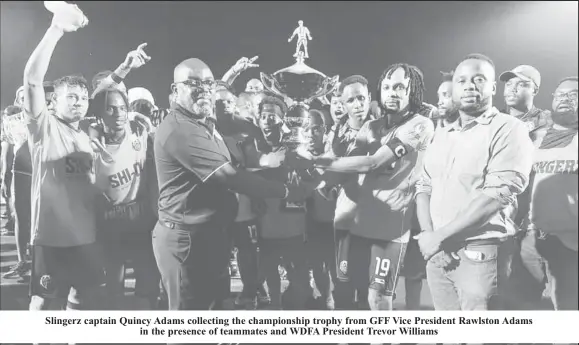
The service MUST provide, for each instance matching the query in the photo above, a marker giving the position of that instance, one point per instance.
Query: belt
(176, 226)
(486, 241)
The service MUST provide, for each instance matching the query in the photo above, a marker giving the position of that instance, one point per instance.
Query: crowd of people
(480, 202)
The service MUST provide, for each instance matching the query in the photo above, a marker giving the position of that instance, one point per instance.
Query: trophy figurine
(299, 84)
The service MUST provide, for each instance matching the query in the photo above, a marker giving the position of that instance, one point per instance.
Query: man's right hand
(69, 20)
(445, 260)
(137, 57)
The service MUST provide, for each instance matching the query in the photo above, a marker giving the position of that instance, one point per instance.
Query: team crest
(530, 126)
(344, 267)
(137, 145)
(46, 282)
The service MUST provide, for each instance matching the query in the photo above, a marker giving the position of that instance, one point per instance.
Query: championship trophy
(300, 84)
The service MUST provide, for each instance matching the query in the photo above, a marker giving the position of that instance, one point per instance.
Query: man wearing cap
(141, 101)
(196, 205)
(522, 84)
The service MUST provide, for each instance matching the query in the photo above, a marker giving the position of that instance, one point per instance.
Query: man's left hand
(430, 243)
(143, 121)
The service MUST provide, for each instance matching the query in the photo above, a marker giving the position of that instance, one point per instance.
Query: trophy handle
(329, 85)
(270, 84)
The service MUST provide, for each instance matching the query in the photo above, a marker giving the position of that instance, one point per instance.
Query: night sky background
(348, 38)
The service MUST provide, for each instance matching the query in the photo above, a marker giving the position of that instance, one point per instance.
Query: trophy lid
(299, 68)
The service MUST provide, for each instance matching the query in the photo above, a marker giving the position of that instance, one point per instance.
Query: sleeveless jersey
(121, 177)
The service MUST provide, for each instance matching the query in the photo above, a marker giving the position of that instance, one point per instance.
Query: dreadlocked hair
(416, 87)
(98, 103)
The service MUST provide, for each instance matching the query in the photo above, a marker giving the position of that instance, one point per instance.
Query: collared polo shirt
(492, 155)
(188, 151)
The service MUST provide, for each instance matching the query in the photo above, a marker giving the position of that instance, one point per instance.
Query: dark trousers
(193, 262)
(21, 185)
(477, 280)
(244, 235)
(543, 263)
(321, 257)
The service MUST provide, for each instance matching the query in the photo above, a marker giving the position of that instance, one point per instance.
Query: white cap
(140, 93)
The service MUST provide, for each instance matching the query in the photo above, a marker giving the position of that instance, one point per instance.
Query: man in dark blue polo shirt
(195, 177)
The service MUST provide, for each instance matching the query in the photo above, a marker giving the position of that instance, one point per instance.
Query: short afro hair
(477, 56)
(353, 79)
(273, 101)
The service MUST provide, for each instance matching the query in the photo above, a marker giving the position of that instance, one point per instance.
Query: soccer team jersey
(341, 142)
(554, 192)
(120, 175)
(374, 218)
(63, 183)
(279, 221)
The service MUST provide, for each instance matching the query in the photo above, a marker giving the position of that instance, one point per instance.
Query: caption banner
(288, 326)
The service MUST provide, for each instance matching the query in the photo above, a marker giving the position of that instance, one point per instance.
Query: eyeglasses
(572, 95)
(211, 84)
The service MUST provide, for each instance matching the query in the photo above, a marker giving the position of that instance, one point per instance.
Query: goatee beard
(567, 119)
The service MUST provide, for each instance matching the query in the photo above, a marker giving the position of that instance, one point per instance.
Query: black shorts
(320, 243)
(56, 269)
(135, 247)
(414, 263)
(342, 249)
(376, 264)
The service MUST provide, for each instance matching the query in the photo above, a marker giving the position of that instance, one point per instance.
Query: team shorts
(56, 269)
(376, 264)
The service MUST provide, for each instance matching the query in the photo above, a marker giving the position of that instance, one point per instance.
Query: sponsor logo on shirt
(556, 167)
(126, 175)
(78, 166)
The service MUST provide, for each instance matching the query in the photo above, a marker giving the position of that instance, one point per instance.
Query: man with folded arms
(472, 173)
(196, 205)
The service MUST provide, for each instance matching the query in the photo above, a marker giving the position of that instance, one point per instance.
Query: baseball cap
(525, 72)
(140, 93)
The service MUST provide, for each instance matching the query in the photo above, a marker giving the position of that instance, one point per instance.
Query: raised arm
(135, 59)
(240, 66)
(36, 68)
